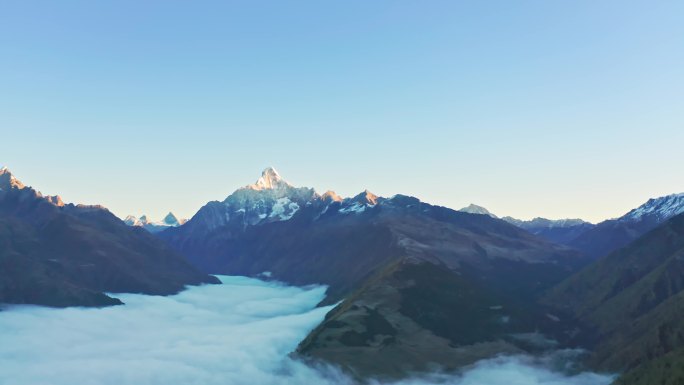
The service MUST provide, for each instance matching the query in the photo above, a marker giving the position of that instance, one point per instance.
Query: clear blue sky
(530, 108)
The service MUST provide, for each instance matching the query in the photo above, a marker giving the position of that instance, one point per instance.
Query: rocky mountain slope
(59, 254)
(415, 315)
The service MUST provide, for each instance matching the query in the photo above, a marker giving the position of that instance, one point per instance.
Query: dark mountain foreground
(66, 255)
(416, 316)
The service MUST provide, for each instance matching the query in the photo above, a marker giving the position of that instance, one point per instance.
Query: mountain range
(421, 285)
(413, 285)
(58, 254)
(380, 257)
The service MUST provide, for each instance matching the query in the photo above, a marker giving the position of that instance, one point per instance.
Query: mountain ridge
(597, 240)
(613, 234)
(561, 231)
(58, 254)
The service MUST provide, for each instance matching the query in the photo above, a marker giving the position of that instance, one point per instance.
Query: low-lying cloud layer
(232, 334)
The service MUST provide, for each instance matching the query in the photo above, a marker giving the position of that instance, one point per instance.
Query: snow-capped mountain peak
(270, 199)
(269, 180)
(658, 208)
(170, 220)
(475, 209)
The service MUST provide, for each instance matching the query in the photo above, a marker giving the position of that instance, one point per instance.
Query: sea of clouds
(237, 333)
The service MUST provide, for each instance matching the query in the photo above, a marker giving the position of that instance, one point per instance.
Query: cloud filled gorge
(236, 333)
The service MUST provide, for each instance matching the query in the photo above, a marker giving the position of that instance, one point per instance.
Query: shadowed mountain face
(65, 255)
(379, 254)
(632, 302)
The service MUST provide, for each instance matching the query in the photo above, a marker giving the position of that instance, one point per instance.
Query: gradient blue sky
(530, 108)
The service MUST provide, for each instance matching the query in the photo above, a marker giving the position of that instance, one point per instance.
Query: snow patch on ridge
(356, 208)
(284, 209)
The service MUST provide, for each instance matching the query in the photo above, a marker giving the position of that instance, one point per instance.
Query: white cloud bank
(237, 333)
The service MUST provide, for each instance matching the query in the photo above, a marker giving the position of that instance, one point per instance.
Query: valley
(219, 334)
